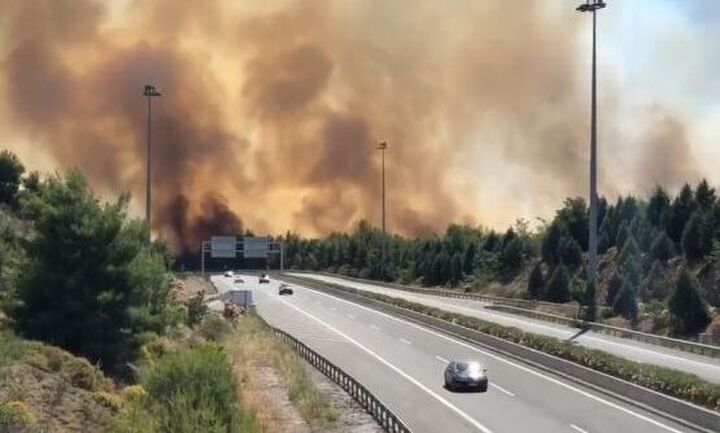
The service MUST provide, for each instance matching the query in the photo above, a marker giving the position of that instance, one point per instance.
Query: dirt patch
(185, 287)
(265, 389)
(352, 418)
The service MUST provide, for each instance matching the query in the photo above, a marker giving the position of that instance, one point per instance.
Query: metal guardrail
(387, 420)
(693, 416)
(524, 307)
(569, 309)
(708, 350)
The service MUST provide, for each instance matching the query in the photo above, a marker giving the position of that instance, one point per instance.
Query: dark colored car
(238, 280)
(285, 290)
(466, 375)
(264, 279)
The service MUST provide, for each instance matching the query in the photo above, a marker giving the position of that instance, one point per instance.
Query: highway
(707, 368)
(402, 364)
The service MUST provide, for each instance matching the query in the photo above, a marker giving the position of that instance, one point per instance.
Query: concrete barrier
(690, 415)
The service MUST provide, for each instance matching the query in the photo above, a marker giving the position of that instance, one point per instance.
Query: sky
(271, 110)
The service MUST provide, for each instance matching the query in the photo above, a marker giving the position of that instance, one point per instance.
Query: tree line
(662, 251)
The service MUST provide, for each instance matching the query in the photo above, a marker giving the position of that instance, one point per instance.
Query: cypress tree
(657, 206)
(705, 195)
(558, 288)
(536, 283)
(696, 241)
(614, 286)
(550, 244)
(625, 303)
(688, 312)
(662, 248)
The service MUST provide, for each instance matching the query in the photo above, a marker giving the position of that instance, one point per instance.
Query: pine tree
(558, 288)
(511, 257)
(550, 244)
(456, 269)
(622, 234)
(688, 312)
(536, 283)
(705, 195)
(662, 248)
(569, 253)
(630, 249)
(625, 303)
(654, 285)
(11, 171)
(657, 206)
(469, 259)
(679, 213)
(696, 241)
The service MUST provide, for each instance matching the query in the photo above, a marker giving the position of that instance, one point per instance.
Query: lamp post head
(591, 5)
(150, 91)
(382, 146)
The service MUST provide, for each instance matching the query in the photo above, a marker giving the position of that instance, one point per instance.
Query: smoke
(273, 112)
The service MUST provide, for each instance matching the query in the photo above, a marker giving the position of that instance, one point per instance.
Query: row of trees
(81, 275)
(643, 244)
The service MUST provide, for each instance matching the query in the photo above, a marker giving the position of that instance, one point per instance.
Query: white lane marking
(375, 327)
(441, 359)
(508, 362)
(431, 299)
(397, 370)
(350, 316)
(408, 342)
(501, 389)
(578, 428)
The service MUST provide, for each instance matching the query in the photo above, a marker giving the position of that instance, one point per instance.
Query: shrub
(108, 400)
(12, 348)
(15, 416)
(133, 393)
(193, 390)
(214, 327)
(687, 309)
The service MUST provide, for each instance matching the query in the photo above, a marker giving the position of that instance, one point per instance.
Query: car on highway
(264, 279)
(228, 274)
(285, 290)
(465, 374)
(238, 280)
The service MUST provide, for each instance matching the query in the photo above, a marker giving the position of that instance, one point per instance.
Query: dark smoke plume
(272, 111)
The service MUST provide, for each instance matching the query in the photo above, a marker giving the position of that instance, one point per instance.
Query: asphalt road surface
(707, 368)
(402, 364)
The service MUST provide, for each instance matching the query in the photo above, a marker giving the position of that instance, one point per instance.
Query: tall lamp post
(150, 93)
(592, 6)
(382, 147)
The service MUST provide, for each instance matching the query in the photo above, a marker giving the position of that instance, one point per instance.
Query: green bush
(193, 390)
(214, 327)
(15, 417)
(12, 348)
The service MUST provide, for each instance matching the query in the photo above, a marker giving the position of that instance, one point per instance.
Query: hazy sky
(271, 109)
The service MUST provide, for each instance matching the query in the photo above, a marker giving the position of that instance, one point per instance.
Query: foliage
(688, 312)
(187, 391)
(558, 288)
(625, 302)
(196, 309)
(662, 248)
(214, 327)
(536, 283)
(11, 171)
(696, 241)
(89, 284)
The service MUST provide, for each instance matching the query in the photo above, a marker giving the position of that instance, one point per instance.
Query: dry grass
(256, 352)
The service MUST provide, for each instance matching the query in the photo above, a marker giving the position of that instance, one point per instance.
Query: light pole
(382, 147)
(150, 92)
(593, 6)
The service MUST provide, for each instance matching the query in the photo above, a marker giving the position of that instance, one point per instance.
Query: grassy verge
(667, 381)
(253, 343)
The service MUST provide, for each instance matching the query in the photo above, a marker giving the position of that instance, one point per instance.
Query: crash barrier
(387, 420)
(690, 415)
(526, 307)
(570, 309)
(657, 340)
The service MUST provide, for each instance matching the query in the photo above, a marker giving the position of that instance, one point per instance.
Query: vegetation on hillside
(644, 245)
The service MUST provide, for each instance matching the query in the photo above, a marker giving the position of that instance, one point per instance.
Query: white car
(264, 279)
(228, 274)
